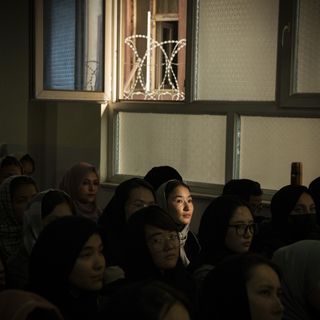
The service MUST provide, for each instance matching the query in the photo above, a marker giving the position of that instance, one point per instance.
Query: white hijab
(183, 234)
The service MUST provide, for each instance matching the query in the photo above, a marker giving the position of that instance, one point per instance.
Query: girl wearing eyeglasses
(226, 227)
(153, 250)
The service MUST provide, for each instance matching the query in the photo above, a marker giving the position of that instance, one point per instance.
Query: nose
(168, 244)
(99, 262)
(278, 305)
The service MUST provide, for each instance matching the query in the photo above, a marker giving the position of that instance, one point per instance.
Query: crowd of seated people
(66, 258)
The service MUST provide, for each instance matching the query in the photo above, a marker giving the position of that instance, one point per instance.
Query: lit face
(89, 188)
(177, 312)
(2, 276)
(139, 198)
(234, 241)
(61, 210)
(264, 292)
(88, 270)
(304, 205)
(9, 171)
(27, 167)
(164, 247)
(21, 198)
(180, 205)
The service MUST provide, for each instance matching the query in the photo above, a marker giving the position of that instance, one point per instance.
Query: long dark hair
(224, 293)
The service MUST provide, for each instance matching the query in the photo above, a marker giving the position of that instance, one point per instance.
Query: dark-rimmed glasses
(243, 228)
(158, 241)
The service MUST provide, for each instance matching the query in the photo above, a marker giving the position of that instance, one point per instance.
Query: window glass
(153, 46)
(73, 45)
(193, 144)
(269, 145)
(307, 53)
(237, 49)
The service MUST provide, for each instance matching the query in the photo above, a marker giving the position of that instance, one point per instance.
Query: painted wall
(14, 76)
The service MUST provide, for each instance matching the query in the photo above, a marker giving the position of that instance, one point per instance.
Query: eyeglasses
(242, 228)
(157, 242)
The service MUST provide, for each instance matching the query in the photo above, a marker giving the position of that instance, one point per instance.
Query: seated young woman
(153, 251)
(130, 196)
(67, 266)
(174, 197)
(81, 182)
(46, 207)
(243, 286)
(227, 227)
(15, 194)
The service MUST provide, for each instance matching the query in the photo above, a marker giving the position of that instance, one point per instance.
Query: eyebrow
(242, 221)
(181, 196)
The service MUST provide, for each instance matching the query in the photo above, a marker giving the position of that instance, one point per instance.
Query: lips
(97, 278)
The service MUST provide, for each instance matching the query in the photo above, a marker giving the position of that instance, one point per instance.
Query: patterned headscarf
(71, 182)
(10, 229)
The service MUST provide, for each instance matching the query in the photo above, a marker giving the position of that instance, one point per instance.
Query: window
(207, 93)
(153, 46)
(69, 49)
(299, 54)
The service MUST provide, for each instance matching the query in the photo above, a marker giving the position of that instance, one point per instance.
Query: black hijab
(53, 257)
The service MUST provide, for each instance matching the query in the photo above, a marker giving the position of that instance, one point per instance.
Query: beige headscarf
(71, 182)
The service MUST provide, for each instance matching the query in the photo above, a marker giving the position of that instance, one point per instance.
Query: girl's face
(264, 292)
(304, 205)
(180, 205)
(21, 197)
(89, 188)
(60, 210)
(8, 171)
(88, 270)
(164, 247)
(139, 198)
(240, 231)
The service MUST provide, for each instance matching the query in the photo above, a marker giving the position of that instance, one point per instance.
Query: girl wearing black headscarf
(226, 227)
(293, 218)
(67, 266)
(153, 250)
(245, 286)
(130, 196)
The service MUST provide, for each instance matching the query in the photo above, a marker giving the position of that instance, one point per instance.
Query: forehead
(152, 230)
(24, 190)
(11, 168)
(305, 198)
(241, 214)
(141, 193)
(93, 241)
(91, 175)
(264, 274)
(179, 190)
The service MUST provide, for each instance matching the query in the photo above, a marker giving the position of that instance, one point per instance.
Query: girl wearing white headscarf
(174, 197)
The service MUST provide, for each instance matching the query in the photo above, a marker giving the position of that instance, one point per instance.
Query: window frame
(282, 106)
(287, 29)
(38, 91)
(232, 109)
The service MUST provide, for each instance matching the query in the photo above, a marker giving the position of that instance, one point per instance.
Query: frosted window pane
(237, 49)
(194, 144)
(269, 145)
(308, 51)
